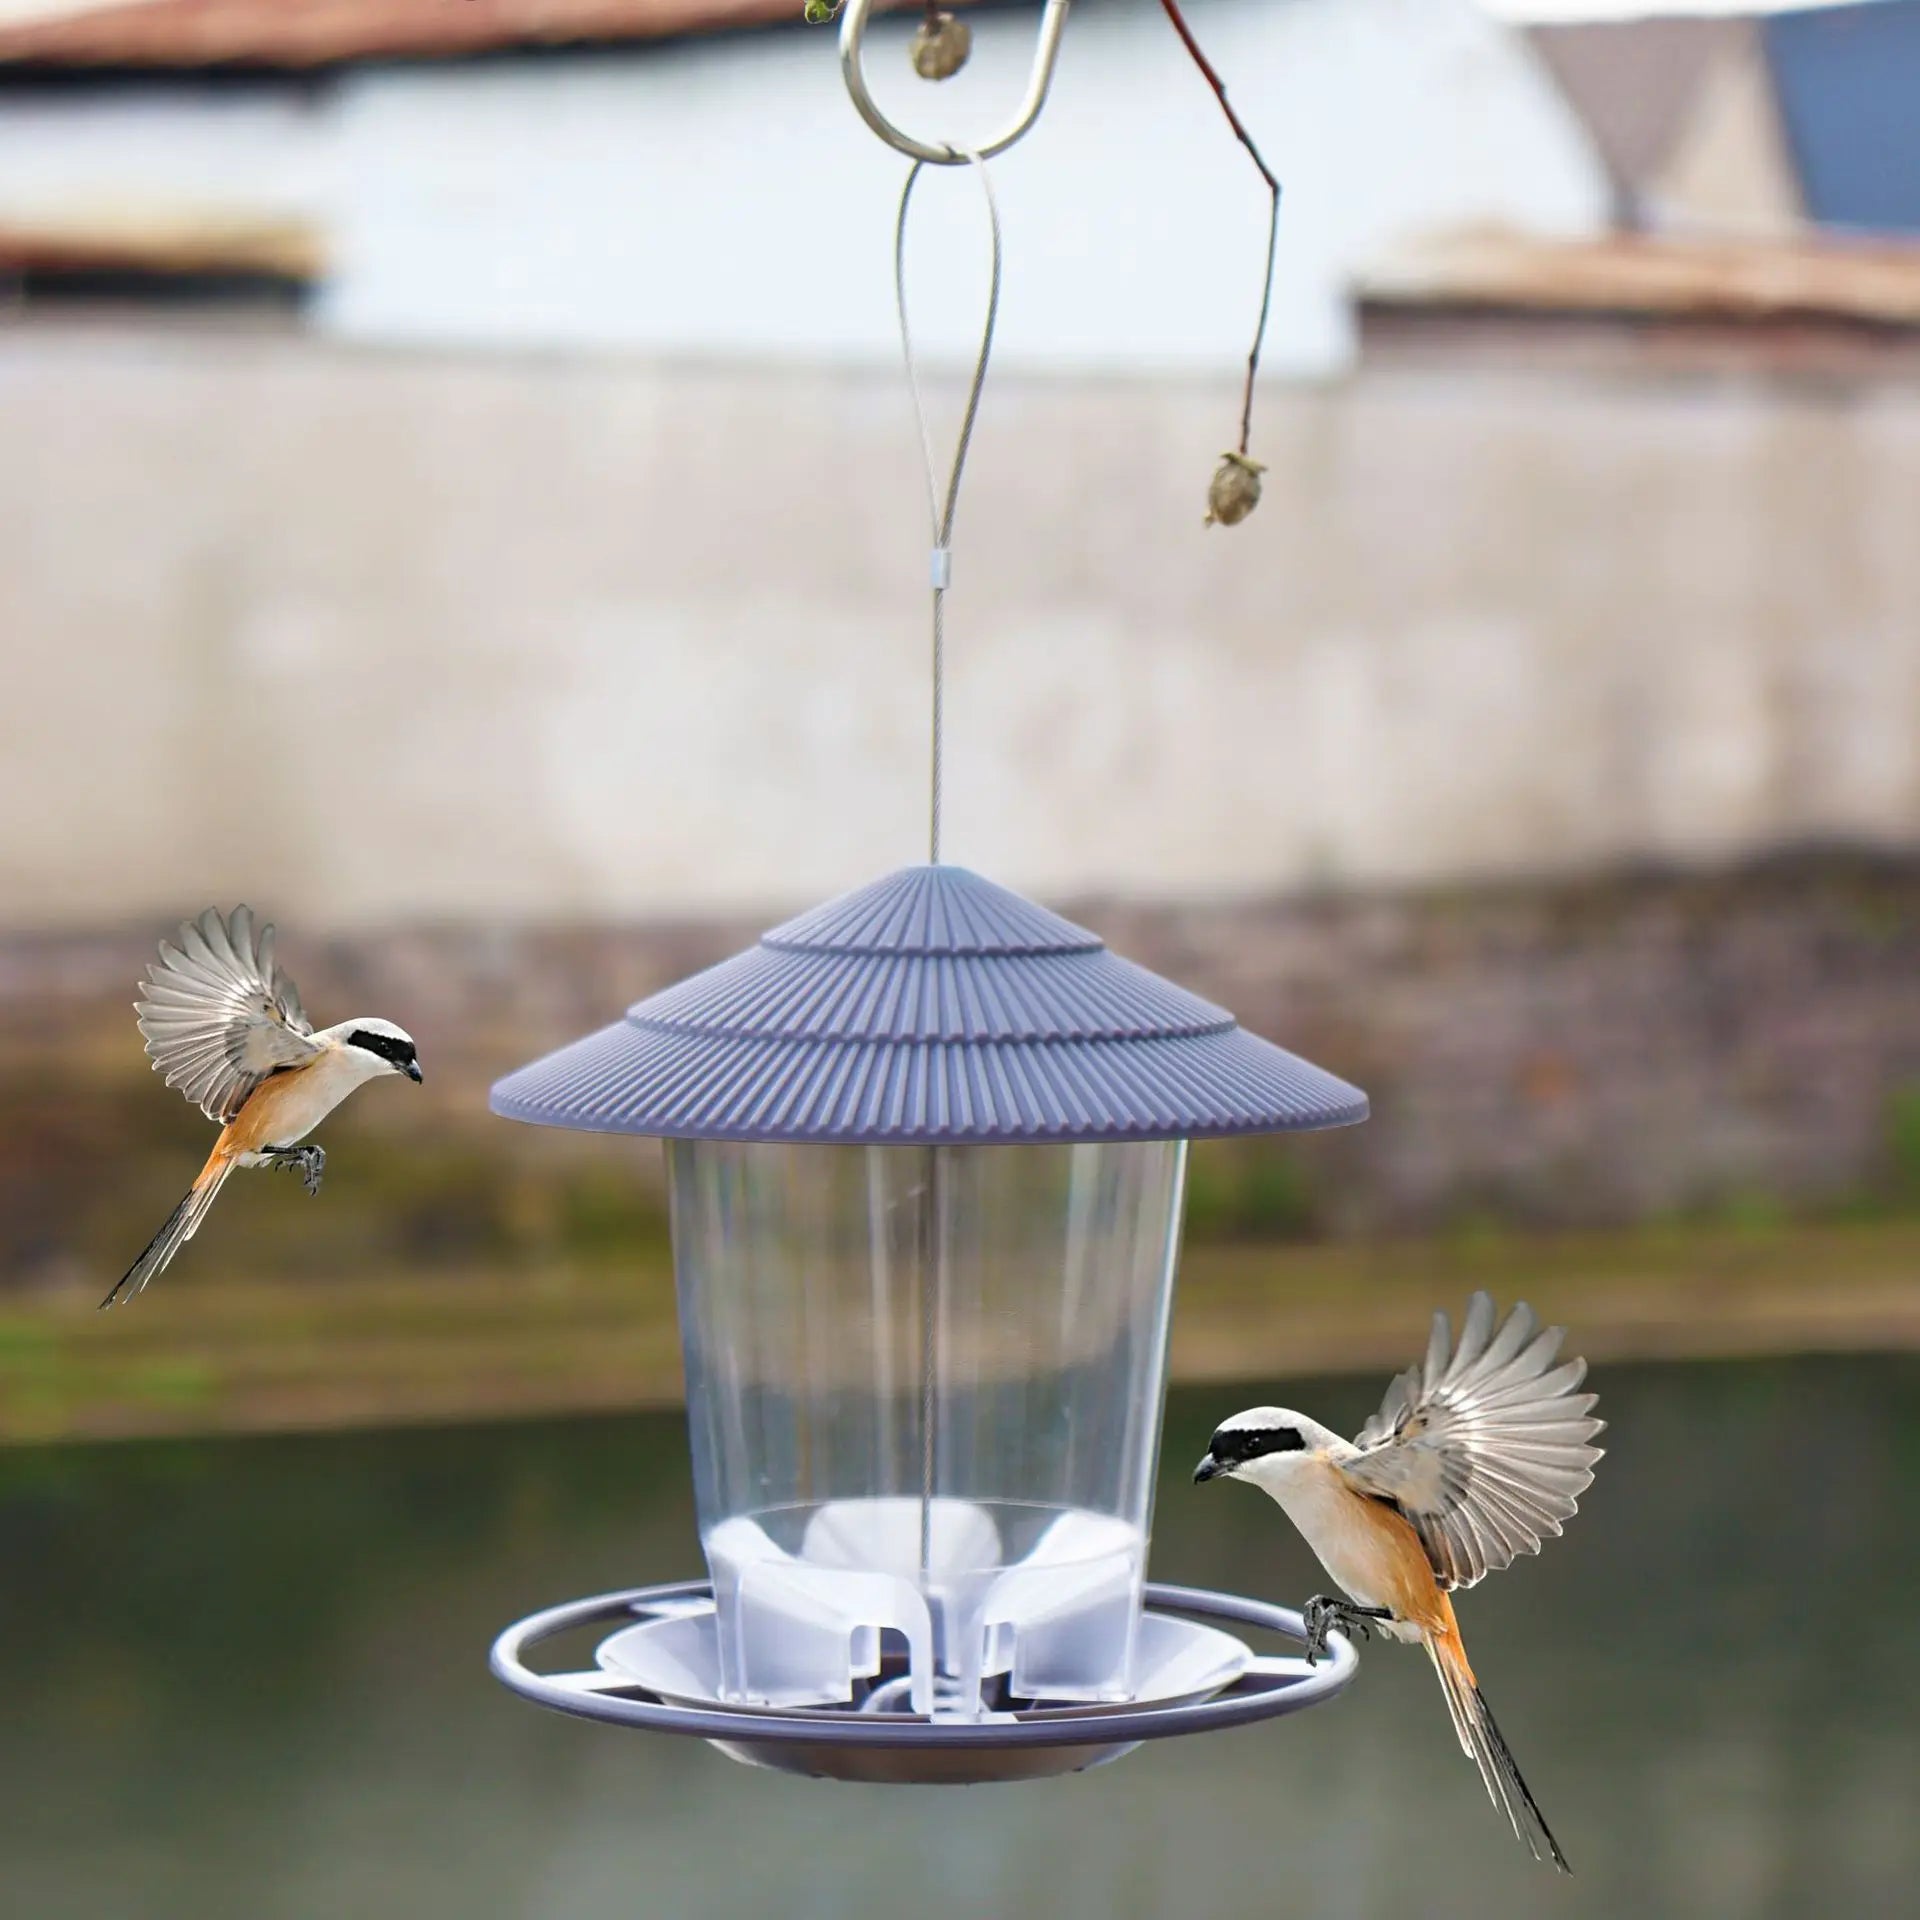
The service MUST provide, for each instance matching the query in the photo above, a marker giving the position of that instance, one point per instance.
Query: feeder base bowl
(921, 1766)
(657, 1671)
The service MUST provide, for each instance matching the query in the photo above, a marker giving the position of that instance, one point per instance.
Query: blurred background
(459, 496)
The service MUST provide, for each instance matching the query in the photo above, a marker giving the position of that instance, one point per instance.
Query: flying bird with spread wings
(224, 1024)
(1475, 1456)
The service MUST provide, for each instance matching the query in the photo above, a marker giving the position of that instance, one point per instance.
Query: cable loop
(940, 512)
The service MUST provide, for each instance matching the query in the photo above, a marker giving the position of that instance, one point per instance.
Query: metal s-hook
(853, 29)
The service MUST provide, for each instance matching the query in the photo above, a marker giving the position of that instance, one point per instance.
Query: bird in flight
(224, 1025)
(1475, 1456)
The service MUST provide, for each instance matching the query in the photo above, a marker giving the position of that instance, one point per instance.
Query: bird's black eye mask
(1234, 1445)
(386, 1045)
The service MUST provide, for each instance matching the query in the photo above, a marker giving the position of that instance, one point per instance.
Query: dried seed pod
(1235, 491)
(941, 46)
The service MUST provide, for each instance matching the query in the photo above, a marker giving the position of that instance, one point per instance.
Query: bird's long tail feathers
(1481, 1740)
(181, 1225)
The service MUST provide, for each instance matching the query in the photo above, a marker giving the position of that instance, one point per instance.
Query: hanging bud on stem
(1235, 491)
(941, 46)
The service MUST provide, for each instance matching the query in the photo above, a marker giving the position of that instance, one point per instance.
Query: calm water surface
(247, 1678)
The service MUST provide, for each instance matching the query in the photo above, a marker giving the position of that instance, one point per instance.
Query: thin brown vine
(1219, 86)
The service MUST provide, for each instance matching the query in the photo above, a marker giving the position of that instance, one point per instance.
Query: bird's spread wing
(219, 1016)
(1486, 1452)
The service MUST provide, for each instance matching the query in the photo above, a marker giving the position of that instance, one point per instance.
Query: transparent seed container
(924, 1387)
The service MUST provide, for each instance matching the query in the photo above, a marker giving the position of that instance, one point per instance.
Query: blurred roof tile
(1494, 269)
(315, 33)
(162, 241)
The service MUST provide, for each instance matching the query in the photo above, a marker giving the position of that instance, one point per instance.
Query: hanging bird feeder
(926, 1148)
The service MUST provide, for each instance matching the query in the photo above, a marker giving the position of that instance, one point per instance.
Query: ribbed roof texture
(929, 1006)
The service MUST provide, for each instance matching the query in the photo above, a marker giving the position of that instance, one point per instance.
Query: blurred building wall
(720, 197)
(372, 636)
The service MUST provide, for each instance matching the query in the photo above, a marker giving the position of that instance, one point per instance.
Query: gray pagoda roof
(931, 1006)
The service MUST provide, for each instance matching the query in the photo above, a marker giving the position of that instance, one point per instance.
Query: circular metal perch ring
(1268, 1688)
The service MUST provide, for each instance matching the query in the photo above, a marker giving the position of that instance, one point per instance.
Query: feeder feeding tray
(660, 1669)
(926, 1148)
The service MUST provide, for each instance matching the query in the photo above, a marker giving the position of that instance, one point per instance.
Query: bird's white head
(1267, 1445)
(389, 1046)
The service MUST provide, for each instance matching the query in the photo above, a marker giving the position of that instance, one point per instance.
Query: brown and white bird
(225, 1026)
(1471, 1461)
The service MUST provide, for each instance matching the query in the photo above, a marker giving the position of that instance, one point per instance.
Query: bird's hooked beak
(412, 1071)
(1208, 1469)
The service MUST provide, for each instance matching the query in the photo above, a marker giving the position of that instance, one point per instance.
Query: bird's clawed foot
(310, 1162)
(1323, 1614)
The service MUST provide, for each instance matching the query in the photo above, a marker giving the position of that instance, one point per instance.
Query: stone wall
(1630, 1050)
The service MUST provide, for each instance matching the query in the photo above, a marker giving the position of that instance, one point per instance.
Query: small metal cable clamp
(853, 29)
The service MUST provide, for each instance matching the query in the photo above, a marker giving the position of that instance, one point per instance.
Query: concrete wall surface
(368, 636)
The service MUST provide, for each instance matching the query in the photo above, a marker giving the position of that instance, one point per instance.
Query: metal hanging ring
(853, 30)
